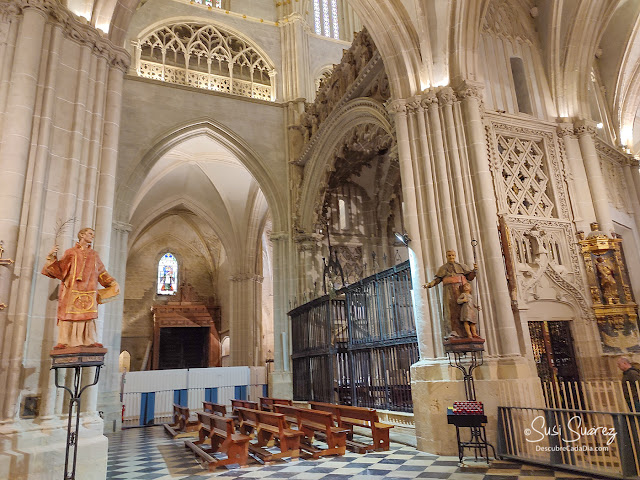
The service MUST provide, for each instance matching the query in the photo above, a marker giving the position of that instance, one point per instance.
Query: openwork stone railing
(207, 57)
(217, 83)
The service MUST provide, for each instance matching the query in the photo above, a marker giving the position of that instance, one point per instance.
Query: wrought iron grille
(357, 349)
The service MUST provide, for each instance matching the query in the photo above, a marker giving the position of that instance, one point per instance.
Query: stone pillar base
(111, 407)
(510, 381)
(281, 384)
(36, 451)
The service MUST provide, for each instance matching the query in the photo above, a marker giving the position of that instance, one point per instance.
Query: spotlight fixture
(403, 238)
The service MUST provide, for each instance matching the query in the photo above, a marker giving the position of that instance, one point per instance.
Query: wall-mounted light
(403, 238)
(600, 125)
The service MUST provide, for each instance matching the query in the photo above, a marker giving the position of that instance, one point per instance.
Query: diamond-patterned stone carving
(525, 181)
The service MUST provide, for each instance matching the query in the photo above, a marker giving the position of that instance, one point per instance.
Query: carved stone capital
(446, 96)
(397, 106)
(276, 236)
(565, 129)
(428, 98)
(122, 227)
(468, 89)
(45, 6)
(8, 10)
(413, 105)
(585, 127)
(74, 28)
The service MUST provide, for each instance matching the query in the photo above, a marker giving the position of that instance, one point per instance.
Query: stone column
(108, 389)
(411, 192)
(433, 236)
(487, 213)
(635, 176)
(586, 130)
(295, 58)
(446, 98)
(445, 211)
(281, 379)
(109, 324)
(244, 318)
(576, 176)
(14, 158)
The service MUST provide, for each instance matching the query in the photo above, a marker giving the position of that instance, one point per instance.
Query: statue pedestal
(75, 358)
(435, 385)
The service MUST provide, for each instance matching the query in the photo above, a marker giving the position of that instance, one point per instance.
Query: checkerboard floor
(148, 453)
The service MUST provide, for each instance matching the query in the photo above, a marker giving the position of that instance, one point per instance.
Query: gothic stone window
(526, 184)
(325, 18)
(205, 56)
(167, 275)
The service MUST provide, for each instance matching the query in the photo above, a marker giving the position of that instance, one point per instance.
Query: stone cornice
(613, 153)
(75, 28)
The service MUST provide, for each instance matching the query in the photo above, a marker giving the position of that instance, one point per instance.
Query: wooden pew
(312, 423)
(221, 433)
(269, 429)
(267, 403)
(215, 408)
(243, 404)
(348, 417)
(181, 426)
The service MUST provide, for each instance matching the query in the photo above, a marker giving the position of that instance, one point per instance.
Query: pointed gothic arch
(318, 168)
(250, 159)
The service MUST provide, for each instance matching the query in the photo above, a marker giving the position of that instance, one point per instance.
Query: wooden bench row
(331, 423)
(348, 417)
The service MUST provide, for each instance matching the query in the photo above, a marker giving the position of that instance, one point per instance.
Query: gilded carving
(610, 288)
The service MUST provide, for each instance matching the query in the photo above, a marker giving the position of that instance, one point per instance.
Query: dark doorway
(553, 351)
(184, 347)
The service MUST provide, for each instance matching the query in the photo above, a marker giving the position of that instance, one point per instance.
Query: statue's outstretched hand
(54, 252)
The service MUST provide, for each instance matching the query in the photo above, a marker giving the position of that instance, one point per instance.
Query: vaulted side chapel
(247, 164)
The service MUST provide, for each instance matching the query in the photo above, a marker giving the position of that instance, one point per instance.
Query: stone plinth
(35, 449)
(435, 386)
(281, 384)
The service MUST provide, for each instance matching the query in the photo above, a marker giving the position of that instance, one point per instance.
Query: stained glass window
(316, 16)
(334, 18)
(325, 18)
(167, 275)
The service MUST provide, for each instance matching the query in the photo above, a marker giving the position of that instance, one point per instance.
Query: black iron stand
(75, 361)
(467, 362)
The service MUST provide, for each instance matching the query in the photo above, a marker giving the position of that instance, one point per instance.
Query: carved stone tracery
(205, 56)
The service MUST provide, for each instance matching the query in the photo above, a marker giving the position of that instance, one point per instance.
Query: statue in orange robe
(80, 270)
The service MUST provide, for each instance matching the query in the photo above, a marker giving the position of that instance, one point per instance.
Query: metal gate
(357, 349)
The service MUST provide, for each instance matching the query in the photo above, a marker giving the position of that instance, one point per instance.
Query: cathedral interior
(273, 182)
